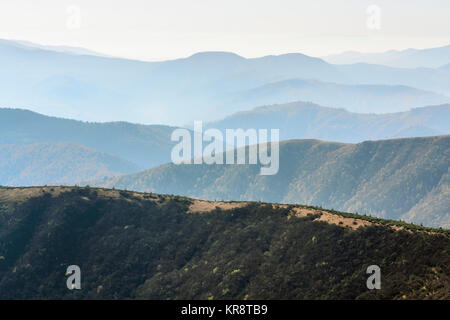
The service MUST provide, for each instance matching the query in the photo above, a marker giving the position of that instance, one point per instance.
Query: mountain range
(366, 136)
(143, 145)
(354, 98)
(302, 120)
(28, 45)
(407, 179)
(409, 58)
(38, 150)
(131, 245)
(57, 163)
(204, 86)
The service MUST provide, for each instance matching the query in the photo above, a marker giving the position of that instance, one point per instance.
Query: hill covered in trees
(305, 120)
(38, 150)
(150, 246)
(144, 145)
(405, 179)
(57, 162)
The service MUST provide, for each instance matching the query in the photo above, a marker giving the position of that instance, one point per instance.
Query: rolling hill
(145, 146)
(58, 162)
(393, 179)
(37, 149)
(353, 98)
(146, 246)
(302, 120)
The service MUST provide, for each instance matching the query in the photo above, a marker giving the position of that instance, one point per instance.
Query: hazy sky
(164, 29)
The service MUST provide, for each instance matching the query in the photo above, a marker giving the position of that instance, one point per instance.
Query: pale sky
(167, 29)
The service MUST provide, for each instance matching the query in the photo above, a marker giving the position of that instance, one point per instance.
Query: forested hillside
(57, 162)
(145, 146)
(304, 120)
(149, 246)
(395, 179)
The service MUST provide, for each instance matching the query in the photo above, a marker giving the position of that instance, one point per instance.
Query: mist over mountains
(38, 150)
(204, 86)
(303, 120)
(28, 45)
(225, 159)
(409, 58)
(354, 98)
(348, 103)
(368, 134)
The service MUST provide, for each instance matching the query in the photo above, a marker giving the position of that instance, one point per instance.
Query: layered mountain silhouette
(65, 49)
(404, 179)
(353, 98)
(168, 247)
(300, 120)
(409, 58)
(37, 149)
(365, 134)
(145, 146)
(57, 162)
(200, 87)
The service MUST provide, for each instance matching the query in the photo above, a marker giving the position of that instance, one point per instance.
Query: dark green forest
(147, 246)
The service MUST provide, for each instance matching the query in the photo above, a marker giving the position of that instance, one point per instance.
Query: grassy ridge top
(19, 194)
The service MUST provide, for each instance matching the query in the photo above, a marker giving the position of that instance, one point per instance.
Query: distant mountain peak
(215, 55)
(56, 48)
(407, 58)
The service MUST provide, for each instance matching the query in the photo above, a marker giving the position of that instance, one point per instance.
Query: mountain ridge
(144, 145)
(386, 178)
(361, 98)
(304, 120)
(220, 251)
(408, 58)
(196, 87)
(55, 163)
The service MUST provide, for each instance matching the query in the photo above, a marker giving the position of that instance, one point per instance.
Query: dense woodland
(148, 246)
